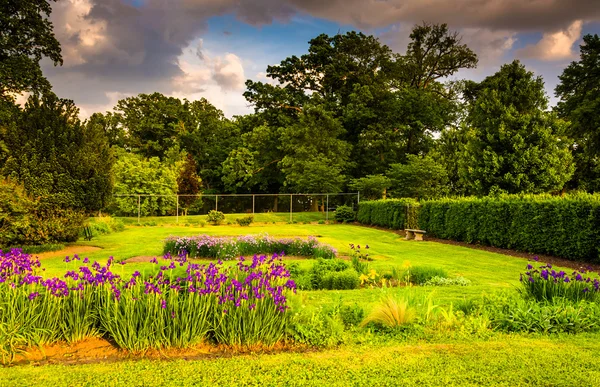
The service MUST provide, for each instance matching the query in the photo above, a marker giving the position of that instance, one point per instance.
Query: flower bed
(207, 246)
(183, 304)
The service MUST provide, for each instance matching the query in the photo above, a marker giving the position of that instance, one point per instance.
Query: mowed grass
(487, 271)
(509, 361)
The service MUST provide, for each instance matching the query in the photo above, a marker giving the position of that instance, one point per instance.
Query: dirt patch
(96, 350)
(67, 251)
(141, 258)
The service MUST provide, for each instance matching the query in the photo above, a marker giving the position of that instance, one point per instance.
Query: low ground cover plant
(207, 246)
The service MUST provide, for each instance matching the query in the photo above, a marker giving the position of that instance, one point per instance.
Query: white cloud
(228, 72)
(554, 46)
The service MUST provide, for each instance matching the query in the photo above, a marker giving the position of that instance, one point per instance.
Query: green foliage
(317, 328)
(344, 214)
(188, 183)
(420, 177)
(384, 213)
(57, 158)
(340, 280)
(579, 104)
(215, 217)
(561, 226)
(371, 187)
(245, 221)
(103, 225)
(136, 175)
(509, 314)
(15, 213)
(322, 268)
(513, 145)
(352, 316)
(420, 275)
(31, 39)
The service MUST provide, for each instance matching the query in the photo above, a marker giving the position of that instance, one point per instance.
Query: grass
(510, 361)
(259, 217)
(368, 359)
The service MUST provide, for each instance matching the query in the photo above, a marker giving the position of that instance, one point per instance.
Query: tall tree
(419, 177)
(513, 144)
(58, 159)
(580, 104)
(188, 183)
(25, 38)
(315, 157)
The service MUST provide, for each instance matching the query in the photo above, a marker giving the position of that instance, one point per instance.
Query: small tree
(420, 177)
(371, 187)
(188, 183)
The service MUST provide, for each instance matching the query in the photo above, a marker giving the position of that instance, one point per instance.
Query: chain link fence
(145, 205)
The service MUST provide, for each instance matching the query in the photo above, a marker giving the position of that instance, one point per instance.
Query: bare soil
(67, 251)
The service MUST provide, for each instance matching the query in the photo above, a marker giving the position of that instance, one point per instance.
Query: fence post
(253, 197)
(327, 209)
(216, 202)
(177, 216)
(139, 208)
(358, 197)
(291, 206)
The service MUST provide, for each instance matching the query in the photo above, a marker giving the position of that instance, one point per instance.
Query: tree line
(348, 115)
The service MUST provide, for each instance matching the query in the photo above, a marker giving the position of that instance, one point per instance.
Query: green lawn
(366, 359)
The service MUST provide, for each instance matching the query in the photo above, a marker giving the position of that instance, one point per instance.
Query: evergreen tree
(188, 183)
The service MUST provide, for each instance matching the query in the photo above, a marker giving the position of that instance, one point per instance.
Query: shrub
(389, 213)
(321, 221)
(567, 227)
(202, 223)
(215, 217)
(344, 214)
(391, 313)
(340, 280)
(352, 316)
(561, 315)
(106, 225)
(245, 221)
(419, 275)
(545, 284)
(323, 267)
(316, 328)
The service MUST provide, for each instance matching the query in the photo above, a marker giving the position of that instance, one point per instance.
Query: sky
(113, 49)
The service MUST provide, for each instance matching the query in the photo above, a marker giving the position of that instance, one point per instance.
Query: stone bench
(414, 234)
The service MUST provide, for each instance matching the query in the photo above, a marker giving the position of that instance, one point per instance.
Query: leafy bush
(322, 268)
(215, 217)
(561, 315)
(567, 227)
(245, 221)
(40, 248)
(106, 225)
(344, 214)
(385, 213)
(352, 316)
(441, 281)
(340, 280)
(419, 275)
(202, 223)
(391, 313)
(545, 284)
(316, 328)
(15, 214)
(321, 221)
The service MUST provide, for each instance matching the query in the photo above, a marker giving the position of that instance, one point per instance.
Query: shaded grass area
(509, 361)
(259, 217)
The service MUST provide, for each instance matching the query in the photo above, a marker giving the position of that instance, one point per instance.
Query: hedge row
(389, 213)
(567, 227)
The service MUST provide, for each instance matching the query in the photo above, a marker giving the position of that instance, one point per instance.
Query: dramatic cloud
(554, 46)
(125, 47)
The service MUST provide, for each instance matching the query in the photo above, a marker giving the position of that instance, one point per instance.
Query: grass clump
(391, 313)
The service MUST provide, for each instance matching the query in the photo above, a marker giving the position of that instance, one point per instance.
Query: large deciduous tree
(579, 92)
(56, 157)
(25, 38)
(188, 184)
(513, 144)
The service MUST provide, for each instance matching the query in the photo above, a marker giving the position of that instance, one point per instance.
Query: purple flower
(33, 296)
(163, 304)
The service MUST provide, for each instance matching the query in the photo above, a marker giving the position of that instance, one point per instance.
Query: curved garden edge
(557, 261)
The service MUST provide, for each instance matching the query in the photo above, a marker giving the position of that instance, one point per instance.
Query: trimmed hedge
(390, 213)
(567, 227)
